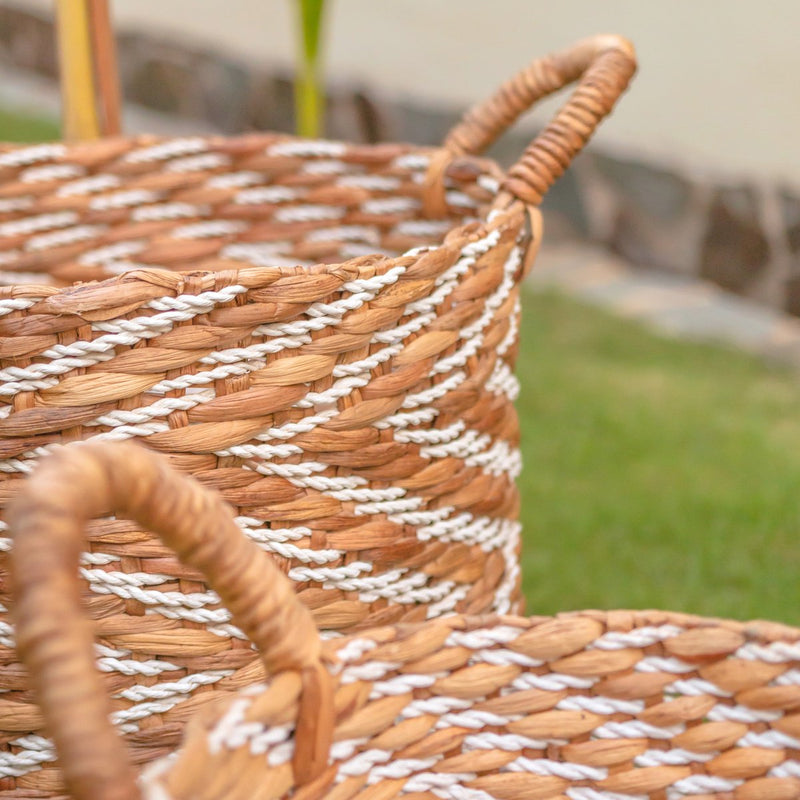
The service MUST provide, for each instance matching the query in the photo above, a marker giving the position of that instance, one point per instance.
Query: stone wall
(744, 236)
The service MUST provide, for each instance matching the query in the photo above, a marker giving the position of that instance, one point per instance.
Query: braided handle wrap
(56, 643)
(603, 64)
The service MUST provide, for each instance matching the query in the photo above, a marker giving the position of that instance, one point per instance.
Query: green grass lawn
(659, 474)
(17, 127)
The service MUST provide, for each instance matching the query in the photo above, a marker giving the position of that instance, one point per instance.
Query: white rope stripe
(587, 793)
(16, 204)
(267, 194)
(166, 150)
(455, 198)
(110, 253)
(482, 638)
(202, 230)
(789, 678)
(561, 769)
(771, 739)
(696, 687)
(510, 742)
(422, 227)
(124, 199)
(89, 185)
(402, 768)
(159, 408)
(155, 597)
(41, 222)
(15, 304)
(454, 791)
(331, 167)
(140, 711)
(149, 669)
(308, 213)
(388, 507)
(511, 577)
(30, 155)
(355, 650)
(503, 381)
(738, 713)
(634, 729)
(788, 769)
(307, 148)
(198, 163)
(662, 664)
(772, 653)
(374, 183)
(400, 684)
(639, 638)
(437, 706)
(674, 757)
(256, 530)
(35, 751)
(551, 682)
(161, 691)
(601, 705)
(78, 233)
(164, 211)
(414, 162)
(705, 784)
(449, 602)
(389, 205)
(232, 180)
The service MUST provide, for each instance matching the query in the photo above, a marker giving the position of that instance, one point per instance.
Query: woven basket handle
(55, 640)
(603, 64)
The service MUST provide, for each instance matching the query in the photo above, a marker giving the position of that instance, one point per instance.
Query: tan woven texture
(607, 706)
(602, 705)
(324, 333)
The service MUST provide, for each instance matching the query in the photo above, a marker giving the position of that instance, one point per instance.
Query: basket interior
(95, 210)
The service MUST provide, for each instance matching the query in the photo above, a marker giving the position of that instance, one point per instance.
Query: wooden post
(79, 110)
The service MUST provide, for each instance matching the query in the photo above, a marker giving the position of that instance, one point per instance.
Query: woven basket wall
(324, 333)
(358, 414)
(582, 706)
(590, 705)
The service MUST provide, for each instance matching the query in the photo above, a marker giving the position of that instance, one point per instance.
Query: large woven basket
(338, 364)
(587, 706)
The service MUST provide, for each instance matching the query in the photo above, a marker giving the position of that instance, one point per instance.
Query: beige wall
(719, 82)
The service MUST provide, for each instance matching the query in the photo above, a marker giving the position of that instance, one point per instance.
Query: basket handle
(603, 64)
(55, 640)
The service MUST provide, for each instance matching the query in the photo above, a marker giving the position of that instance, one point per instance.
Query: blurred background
(661, 341)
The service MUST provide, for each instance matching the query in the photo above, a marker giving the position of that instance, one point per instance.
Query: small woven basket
(587, 706)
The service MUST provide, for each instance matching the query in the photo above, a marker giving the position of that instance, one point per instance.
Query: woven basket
(588, 706)
(358, 413)
(355, 407)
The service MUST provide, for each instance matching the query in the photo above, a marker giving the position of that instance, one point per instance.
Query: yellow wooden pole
(79, 108)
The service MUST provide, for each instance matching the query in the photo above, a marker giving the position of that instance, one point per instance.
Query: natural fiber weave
(338, 364)
(587, 705)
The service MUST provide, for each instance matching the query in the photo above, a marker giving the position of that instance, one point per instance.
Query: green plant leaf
(308, 91)
(311, 15)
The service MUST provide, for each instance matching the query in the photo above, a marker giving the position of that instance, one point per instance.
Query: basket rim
(147, 147)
